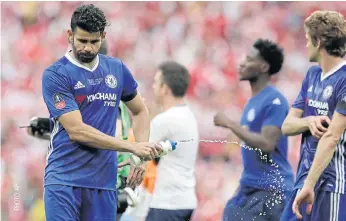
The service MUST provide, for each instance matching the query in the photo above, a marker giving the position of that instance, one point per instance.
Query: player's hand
(135, 176)
(125, 163)
(147, 151)
(316, 125)
(221, 120)
(306, 195)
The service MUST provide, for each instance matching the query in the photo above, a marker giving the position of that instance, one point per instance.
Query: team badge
(59, 101)
(111, 81)
(327, 92)
(251, 115)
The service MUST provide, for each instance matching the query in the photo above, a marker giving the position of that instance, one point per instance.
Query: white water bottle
(167, 146)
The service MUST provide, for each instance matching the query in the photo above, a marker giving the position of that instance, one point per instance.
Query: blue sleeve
(130, 85)
(275, 113)
(299, 103)
(341, 98)
(57, 94)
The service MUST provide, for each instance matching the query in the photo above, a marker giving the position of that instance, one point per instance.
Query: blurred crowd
(210, 38)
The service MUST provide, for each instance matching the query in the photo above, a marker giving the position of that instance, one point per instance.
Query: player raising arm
(263, 187)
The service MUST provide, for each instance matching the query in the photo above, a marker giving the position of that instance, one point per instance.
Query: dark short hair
(176, 77)
(89, 18)
(329, 27)
(271, 53)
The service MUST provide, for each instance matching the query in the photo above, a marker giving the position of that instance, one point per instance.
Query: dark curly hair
(271, 53)
(329, 27)
(89, 18)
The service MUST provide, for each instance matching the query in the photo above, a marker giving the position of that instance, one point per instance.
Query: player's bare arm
(80, 132)
(265, 141)
(141, 121)
(326, 147)
(141, 129)
(324, 153)
(294, 124)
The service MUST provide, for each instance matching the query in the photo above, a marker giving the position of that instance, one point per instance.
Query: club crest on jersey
(59, 101)
(111, 81)
(251, 115)
(327, 92)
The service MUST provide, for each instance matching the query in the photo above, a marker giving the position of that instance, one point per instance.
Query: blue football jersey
(96, 93)
(323, 96)
(267, 171)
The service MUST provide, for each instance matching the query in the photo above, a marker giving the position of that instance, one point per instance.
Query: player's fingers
(315, 132)
(320, 127)
(132, 181)
(309, 208)
(138, 179)
(141, 177)
(326, 119)
(125, 163)
(295, 208)
(158, 149)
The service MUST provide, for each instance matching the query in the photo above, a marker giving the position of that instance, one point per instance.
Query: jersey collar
(333, 70)
(73, 61)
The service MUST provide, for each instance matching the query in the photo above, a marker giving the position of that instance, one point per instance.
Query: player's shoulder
(160, 118)
(111, 60)
(314, 71)
(275, 97)
(56, 69)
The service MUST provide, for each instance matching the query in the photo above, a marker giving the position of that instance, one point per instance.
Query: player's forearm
(141, 125)
(254, 140)
(323, 156)
(92, 137)
(293, 126)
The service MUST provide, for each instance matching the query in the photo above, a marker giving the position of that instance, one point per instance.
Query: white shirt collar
(73, 61)
(333, 70)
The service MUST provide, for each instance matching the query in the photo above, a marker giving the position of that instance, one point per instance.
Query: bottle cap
(173, 144)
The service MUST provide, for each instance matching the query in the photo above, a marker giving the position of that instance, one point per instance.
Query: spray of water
(277, 186)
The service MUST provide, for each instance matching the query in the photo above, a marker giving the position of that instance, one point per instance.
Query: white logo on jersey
(111, 81)
(318, 104)
(251, 115)
(277, 101)
(102, 96)
(79, 85)
(310, 89)
(327, 92)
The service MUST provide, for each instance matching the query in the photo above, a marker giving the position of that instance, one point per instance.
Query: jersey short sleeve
(275, 113)
(158, 129)
(57, 94)
(130, 85)
(299, 103)
(341, 98)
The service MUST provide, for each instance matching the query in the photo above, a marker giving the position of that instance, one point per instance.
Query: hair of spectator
(271, 53)
(89, 18)
(176, 77)
(328, 27)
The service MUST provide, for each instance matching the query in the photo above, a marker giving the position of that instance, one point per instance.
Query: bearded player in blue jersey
(267, 178)
(319, 114)
(82, 91)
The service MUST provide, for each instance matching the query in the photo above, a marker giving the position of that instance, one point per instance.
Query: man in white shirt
(174, 197)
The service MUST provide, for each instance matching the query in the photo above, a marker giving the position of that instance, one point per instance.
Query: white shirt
(175, 181)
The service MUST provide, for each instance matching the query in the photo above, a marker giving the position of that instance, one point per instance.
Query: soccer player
(267, 177)
(321, 169)
(174, 196)
(82, 91)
